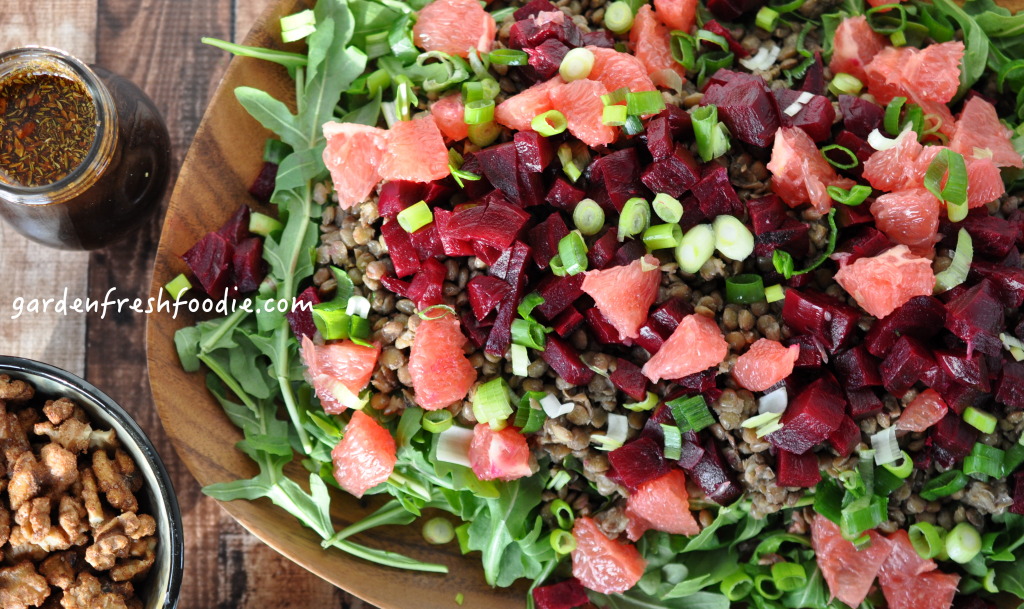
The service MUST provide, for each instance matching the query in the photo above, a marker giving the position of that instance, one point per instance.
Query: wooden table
(156, 44)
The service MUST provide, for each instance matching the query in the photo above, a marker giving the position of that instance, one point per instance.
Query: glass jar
(84, 154)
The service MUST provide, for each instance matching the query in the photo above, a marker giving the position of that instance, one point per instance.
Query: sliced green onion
(886, 482)
(484, 134)
(957, 271)
(472, 90)
(770, 428)
(1016, 348)
(429, 314)
(684, 49)
(783, 261)
(902, 467)
(759, 420)
(588, 217)
(573, 253)
(943, 485)
(529, 417)
(863, 515)
(691, 413)
(855, 196)
(549, 123)
(491, 403)
(765, 586)
(563, 514)
(673, 442)
(576, 64)
(744, 289)
(667, 208)
(556, 266)
(828, 500)
(274, 151)
(649, 403)
(263, 225)
(892, 116)
(460, 597)
(950, 165)
(1012, 460)
(616, 97)
(853, 160)
(696, 247)
(988, 582)
(332, 322)
(633, 125)
(963, 543)
(178, 286)
(415, 217)
(530, 302)
(732, 238)
(528, 334)
(643, 103)
(979, 419)
(438, 531)
(479, 112)
(789, 576)
(614, 116)
(509, 57)
(927, 539)
(297, 26)
(774, 293)
(520, 360)
(886, 11)
(984, 462)
(618, 17)
(766, 19)
(634, 218)
(662, 236)
(709, 132)
(710, 37)
(436, 421)
(559, 480)
(359, 330)
(737, 586)
(562, 542)
(844, 83)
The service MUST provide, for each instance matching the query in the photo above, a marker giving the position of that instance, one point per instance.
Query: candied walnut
(27, 479)
(103, 440)
(61, 466)
(72, 518)
(34, 518)
(116, 539)
(88, 592)
(27, 418)
(118, 479)
(15, 391)
(141, 556)
(72, 434)
(21, 587)
(5, 524)
(19, 548)
(59, 569)
(13, 439)
(58, 411)
(91, 499)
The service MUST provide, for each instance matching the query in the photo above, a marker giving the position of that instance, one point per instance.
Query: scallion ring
(436, 421)
(549, 123)
(744, 289)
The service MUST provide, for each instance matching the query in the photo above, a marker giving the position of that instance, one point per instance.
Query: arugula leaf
(272, 114)
(284, 58)
(634, 599)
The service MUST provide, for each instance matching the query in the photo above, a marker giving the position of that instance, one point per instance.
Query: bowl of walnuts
(88, 516)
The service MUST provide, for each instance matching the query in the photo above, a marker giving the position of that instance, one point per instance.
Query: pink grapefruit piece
(979, 134)
(910, 582)
(499, 455)
(984, 182)
(662, 504)
(896, 167)
(925, 410)
(800, 174)
(449, 114)
(601, 564)
(415, 151)
(366, 455)
(454, 27)
(518, 111)
(880, 284)
(694, 346)
(338, 371)
(624, 294)
(910, 217)
(616, 70)
(849, 572)
(441, 373)
(928, 74)
(765, 363)
(352, 155)
(650, 40)
(580, 102)
(677, 14)
(854, 46)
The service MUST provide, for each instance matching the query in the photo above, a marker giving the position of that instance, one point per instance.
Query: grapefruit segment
(339, 363)
(449, 114)
(854, 46)
(441, 373)
(849, 572)
(366, 455)
(518, 111)
(580, 102)
(800, 174)
(415, 151)
(765, 363)
(910, 217)
(677, 14)
(911, 582)
(624, 294)
(984, 182)
(352, 155)
(615, 70)
(694, 346)
(499, 455)
(661, 504)
(601, 564)
(978, 130)
(650, 40)
(882, 283)
(896, 167)
(925, 410)
(454, 27)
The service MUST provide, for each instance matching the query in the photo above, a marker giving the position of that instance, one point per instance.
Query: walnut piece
(34, 518)
(61, 468)
(72, 434)
(114, 539)
(91, 499)
(21, 587)
(72, 518)
(13, 439)
(58, 411)
(88, 593)
(141, 557)
(15, 391)
(59, 569)
(118, 479)
(27, 479)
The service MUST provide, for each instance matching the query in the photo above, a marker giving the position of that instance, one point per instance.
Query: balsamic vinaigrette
(84, 154)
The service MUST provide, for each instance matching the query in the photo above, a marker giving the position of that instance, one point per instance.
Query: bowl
(160, 588)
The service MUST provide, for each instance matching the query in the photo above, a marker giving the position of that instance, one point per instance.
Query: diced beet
(855, 144)
(565, 361)
(792, 236)
(496, 224)
(822, 316)
(814, 77)
(210, 261)
(652, 428)
(726, 10)
(921, 317)
(766, 213)
(747, 108)
(690, 453)
(908, 361)
(558, 293)
(403, 255)
(300, 318)
(512, 268)
(438, 190)
(1007, 281)
(395, 285)
(568, 322)
(815, 116)
(991, 236)
(716, 28)
(648, 339)
(564, 195)
(532, 188)
(715, 193)
(263, 186)
(810, 418)
(863, 403)
(1010, 389)
(659, 138)
(636, 462)
(474, 189)
(629, 379)
(726, 76)
(236, 228)
(966, 369)
(856, 368)
(714, 476)
(603, 249)
(500, 165)
(485, 293)
(860, 116)
(532, 8)
(793, 470)
(953, 437)
(396, 195)
(854, 215)
(845, 439)
(527, 33)
(866, 242)
(601, 328)
(535, 153)
(427, 287)
(673, 174)
(427, 242)
(811, 352)
(618, 174)
(679, 121)
(449, 244)
(566, 594)
(599, 38)
(248, 264)
(544, 238)
(1017, 487)
(546, 57)
(976, 317)
(669, 314)
(630, 250)
(476, 333)
(699, 382)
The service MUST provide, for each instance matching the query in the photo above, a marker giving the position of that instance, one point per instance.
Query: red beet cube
(568, 322)
(632, 249)
(856, 368)
(427, 287)
(824, 317)
(500, 165)
(236, 228)
(814, 78)
(618, 177)
(599, 38)
(921, 317)
(566, 594)
(300, 318)
(544, 239)
(966, 369)
(747, 108)
(952, 439)
(628, 378)
(532, 8)
(545, 58)
(1017, 487)
(558, 293)
(795, 470)
(603, 331)
(815, 117)
(485, 294)
(565, 361)
(210, 261)
(714, 476)
(396, 195)
(908, 361)
(649, 339)
(403, 255)
(766, 213)
(674, 173)
(395, 286)
(636, 462)
(668, 314)
(811, 355)
(603, 249)
(1010, 390)
(427, 242)
(860, 116)
(976, 317)
(700, 382)
(495, 224)
(511, 267)
(659, 138)
(474, 331)
(716, 28)
(991, 236)
(811, 417)
(792, 236)
(845, 439)
(715, 193)
(449, 244)
(535, 153)
(564, 195)
(866, 242)
(248, 265)
(1007, 281)
(262, 188)
(863, 403)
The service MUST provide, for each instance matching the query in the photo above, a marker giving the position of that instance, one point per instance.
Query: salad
(663, 305)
